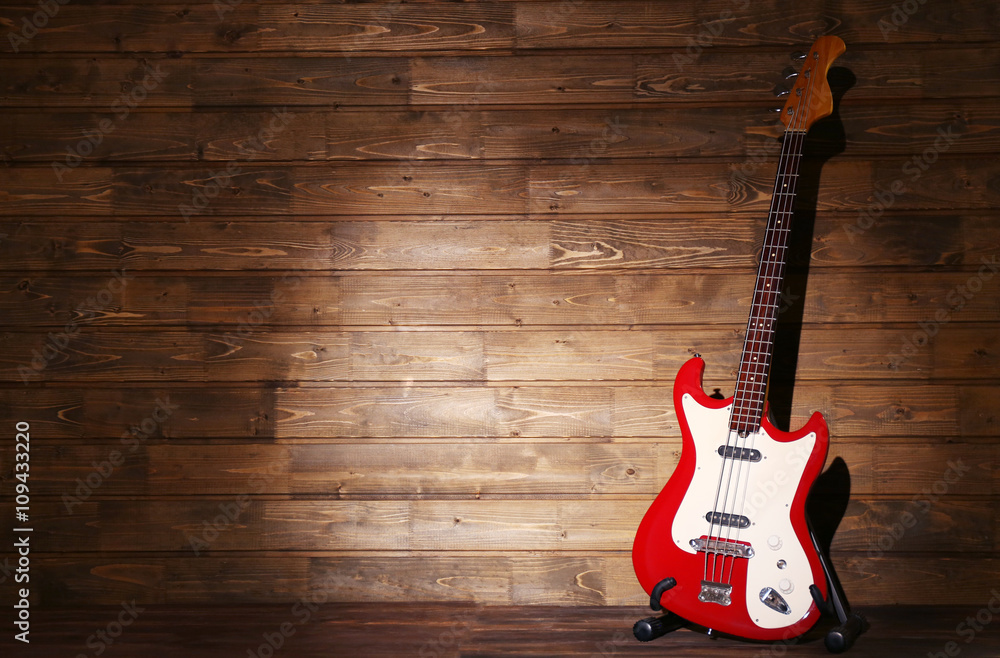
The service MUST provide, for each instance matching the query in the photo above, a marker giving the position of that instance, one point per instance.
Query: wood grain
(393, 294)
(466, 82)
(382, 244)
(950, 526)
(599, 413)
(461, 627)
(361, 470)
(368, 27)
(478, 134)
(248, 355)
(445, 188)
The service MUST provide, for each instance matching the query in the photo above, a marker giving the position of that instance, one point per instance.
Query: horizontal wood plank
(586, 580)
(959, 351)
(921, 469)
(949, 525)
(465, 82)
(484, 244)
(254, 303)
(468, 629)
(422, 188)
(516, 413)
(293, 134)
(203, 27)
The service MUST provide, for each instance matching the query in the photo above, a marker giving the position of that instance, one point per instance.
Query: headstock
(810, 99)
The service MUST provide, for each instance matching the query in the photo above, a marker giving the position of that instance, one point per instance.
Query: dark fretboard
(751, 385)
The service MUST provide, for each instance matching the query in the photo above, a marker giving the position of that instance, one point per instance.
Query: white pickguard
(763, 492)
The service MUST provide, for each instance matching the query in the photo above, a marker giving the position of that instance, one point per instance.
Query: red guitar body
(774, 495)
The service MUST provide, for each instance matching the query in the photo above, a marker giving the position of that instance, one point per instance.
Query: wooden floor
(438, 630)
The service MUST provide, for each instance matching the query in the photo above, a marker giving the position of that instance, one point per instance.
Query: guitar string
(769, 299)
(738, 403)
(762, 298)
(775, 271)
(741, 400)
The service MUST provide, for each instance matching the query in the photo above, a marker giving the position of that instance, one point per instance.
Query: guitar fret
(755, 360)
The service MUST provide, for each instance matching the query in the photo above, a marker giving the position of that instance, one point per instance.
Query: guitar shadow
(831, 493)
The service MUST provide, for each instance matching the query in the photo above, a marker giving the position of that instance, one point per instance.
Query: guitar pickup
(743, 454)
(727, 547)
(731, 520)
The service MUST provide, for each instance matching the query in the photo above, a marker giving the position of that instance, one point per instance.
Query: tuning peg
(775, 110)
(780, 91)
(798, 56)
(789, 73)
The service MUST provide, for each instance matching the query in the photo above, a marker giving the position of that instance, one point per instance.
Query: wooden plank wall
(385, 300)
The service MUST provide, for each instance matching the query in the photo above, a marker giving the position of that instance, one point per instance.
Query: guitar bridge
(725, 547)
(715, 593)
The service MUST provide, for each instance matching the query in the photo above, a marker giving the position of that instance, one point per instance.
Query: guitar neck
(758, 346)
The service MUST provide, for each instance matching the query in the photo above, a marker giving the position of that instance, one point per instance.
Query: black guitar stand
(852, 624)
(838, 639)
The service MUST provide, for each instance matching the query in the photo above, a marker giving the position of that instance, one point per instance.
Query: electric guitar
(725, 545)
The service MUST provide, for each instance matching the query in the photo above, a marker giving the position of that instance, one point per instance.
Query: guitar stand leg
(841, 638)
(650, 628)
(661, 587)
(852, 624)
